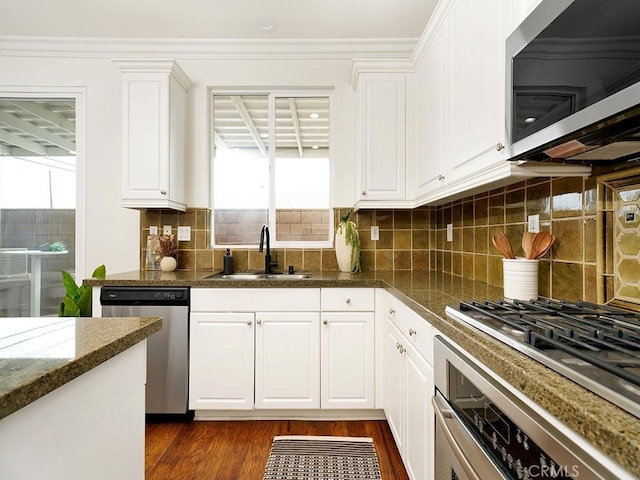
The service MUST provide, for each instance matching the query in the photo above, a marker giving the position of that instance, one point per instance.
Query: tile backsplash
(416, 239)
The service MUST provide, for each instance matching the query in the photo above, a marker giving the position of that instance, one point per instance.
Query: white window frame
(272, 94)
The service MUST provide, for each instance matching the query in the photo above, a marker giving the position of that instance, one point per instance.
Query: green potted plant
(347, 243)
(77, 300)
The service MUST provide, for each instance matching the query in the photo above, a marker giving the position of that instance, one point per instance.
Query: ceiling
(47, 128)
(216, 19)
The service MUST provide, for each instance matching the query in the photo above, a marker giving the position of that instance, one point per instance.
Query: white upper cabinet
(475, 76)
(431, 167)
(381, 143)
(460, 99)
(154, 95)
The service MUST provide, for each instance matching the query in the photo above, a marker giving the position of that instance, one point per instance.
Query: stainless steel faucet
(264, 234)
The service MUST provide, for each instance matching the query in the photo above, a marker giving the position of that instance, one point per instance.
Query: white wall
(112, 232)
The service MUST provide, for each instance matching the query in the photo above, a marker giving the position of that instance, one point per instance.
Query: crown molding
(298, 49)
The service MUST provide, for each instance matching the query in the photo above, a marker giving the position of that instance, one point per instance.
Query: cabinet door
(431, 167)
(221, 361)
(418, 449)
(287, 360)
(154, 116)
(394, 383)
(382, 136)
(347, 360)
(476, 80)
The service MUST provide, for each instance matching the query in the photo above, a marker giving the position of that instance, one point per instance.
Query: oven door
(458, 455)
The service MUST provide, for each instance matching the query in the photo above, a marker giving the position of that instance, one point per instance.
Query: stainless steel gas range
(596, 346)
(485, 429)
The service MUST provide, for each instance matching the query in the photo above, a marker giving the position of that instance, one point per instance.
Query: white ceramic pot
(343, 252)
(168, 264)
(520, 278)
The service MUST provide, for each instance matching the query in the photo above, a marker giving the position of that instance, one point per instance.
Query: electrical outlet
(153, 230)
(166, 230)
(534, 223)
(449, 232)
(184, 234)
(375, 233)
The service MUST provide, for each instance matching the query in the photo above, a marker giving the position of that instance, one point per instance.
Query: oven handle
(473, 454)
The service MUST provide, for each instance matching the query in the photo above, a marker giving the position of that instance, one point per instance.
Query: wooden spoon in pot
(541, 244)
(502, 244)
(527, 240)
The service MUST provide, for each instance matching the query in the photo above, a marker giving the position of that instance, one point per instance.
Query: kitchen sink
(260, 276)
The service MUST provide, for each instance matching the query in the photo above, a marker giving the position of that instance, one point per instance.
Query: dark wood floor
(238, 450)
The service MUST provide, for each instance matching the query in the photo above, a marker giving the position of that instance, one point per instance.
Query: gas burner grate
(604, 336)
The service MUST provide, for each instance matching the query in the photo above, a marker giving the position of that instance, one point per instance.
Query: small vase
(168, 264)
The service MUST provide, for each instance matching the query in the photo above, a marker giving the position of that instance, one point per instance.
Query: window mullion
(272, 165)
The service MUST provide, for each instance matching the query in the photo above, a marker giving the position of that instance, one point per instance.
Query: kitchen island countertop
(609, 428)
(41, 354)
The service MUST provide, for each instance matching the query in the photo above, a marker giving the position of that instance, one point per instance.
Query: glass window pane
(240, 169)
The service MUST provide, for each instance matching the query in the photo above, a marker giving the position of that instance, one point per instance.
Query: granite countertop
(611, 429)
(38, 355)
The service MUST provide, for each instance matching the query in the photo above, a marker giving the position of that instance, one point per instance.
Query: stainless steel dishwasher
(167, 350)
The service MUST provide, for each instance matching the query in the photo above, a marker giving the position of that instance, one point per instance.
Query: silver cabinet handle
(402, 349)
(259, 322)
(248, 322)
(398, 345)
(440, 177)
(412, 332)
(348, 300)
(391, 311)
(364, 193)
(325, 322)
(499, 146)
(163, 192)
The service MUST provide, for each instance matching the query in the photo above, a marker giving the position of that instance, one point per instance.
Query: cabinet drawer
(347, 299)
(415, 328)
(255, 299)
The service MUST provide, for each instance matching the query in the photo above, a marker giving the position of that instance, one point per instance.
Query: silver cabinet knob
(163, 192)
(249, 322)
(259, 322)
(391, 311)
(402, 349)
(348, 301)
(325, 322)
(398, 345)
(363, 193)
(412, 332)
(499, 147)
(440, 177)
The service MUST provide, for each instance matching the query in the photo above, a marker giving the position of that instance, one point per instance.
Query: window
(37, 201)
(271, 166)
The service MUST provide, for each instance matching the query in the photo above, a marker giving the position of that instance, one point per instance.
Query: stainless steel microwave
(573, 83)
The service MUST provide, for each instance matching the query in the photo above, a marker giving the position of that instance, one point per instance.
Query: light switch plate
(534, 223)
(184, 234)
(166, 230)
(449, 232)
(153, 230)
(375, 233)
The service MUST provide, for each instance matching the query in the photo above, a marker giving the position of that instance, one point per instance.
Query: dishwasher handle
(178, 296)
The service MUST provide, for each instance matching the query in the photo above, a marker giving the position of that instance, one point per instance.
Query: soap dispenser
(228, 263)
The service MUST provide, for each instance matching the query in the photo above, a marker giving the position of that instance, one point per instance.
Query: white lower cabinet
(287, 364)
(409, 387)
(221, 358)
(347, 342)
(268, 349)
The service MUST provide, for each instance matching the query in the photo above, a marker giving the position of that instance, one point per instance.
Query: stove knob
(519, 436)
(519, 469)
(525, 443)
(509, 461)
(543, 460)
(494, 440)
(504, 454)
